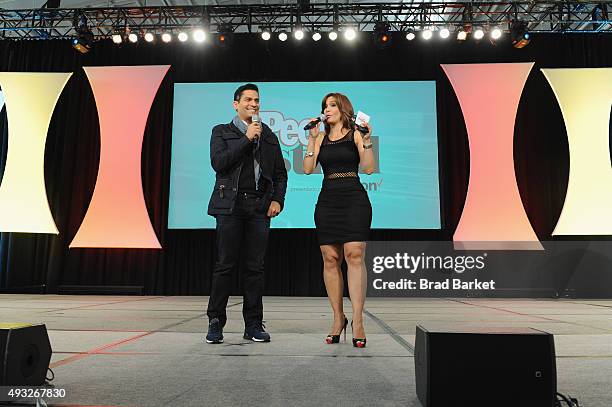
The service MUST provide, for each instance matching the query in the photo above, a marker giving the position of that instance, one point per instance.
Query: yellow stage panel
(30, 100)
(585, 97)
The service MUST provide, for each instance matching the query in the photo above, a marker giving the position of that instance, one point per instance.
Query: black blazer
(228, 145)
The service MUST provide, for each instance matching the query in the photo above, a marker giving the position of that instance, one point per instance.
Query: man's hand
(274, 209)
(253, 131)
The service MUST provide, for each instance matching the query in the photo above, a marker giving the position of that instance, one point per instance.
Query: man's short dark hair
(247, 86)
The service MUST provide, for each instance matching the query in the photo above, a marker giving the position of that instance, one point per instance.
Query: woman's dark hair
(346, 110)
(247, 86)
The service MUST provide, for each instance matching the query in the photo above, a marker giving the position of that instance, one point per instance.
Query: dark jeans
(241, 235)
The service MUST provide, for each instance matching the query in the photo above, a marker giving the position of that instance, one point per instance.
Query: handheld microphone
(255, 119)
(362, 130)
(315, 122)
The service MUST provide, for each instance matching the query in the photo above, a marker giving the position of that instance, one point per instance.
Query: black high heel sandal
(331, 339)
(358, 342)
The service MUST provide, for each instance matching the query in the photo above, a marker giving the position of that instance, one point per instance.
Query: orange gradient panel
(117, 215)
(493, 216)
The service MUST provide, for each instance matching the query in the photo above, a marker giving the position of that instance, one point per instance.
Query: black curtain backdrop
(293, 260)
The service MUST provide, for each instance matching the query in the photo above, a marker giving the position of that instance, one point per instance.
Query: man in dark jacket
(250, 187)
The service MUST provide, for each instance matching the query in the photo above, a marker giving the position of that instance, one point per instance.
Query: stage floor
(150, 351)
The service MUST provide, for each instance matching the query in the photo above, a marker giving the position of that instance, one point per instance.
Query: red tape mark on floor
(96, 350)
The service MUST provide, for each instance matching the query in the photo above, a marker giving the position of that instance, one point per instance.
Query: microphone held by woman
(315, 122)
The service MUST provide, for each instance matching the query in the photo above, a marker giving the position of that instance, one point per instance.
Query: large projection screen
(404, 190)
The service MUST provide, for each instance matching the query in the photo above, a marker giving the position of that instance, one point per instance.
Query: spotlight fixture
(133, 37)
(282, 36)
(496, 33)
(410, 35)
(199, 35)
(225, 36)
(333, 35)
(350, 34)
(444, 33)
(316, 36)
(599, 16)
(382, 34)
(519, 35)
(84, 38)
(224, 39)
(149, 37)
(83, 42)
(298, 34)
(478, 34)
(166, 37)
(427, 34)
(182, 36)
(117, 38)
(266, 35)
(462, 34)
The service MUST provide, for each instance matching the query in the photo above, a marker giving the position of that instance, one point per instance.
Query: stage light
(316, 36)
(225, 36)
(224, 39)
(118, 35)
(462, 35)
(84, 39)
(382, 34)
(427, 34)
(199, 35)
(83, 43)
(266, 35)
(182, 36)
(133, 37)
(479, 34)
(496, 33)
(333, 35)
(444, 33)
(350, 34)
(410, 35)
(282, 36)
(298, 34)
(149, 37)
(599, 16)
(519, 35)
(166, 37)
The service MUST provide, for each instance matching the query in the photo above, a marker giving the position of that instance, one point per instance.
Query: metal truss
(540, 16)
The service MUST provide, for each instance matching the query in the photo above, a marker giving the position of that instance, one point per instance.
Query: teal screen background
(404, 192)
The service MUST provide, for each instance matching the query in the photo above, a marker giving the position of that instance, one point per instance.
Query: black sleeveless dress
(343, 212)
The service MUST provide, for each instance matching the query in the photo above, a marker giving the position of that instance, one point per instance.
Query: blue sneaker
(215, 331)
(256, 333)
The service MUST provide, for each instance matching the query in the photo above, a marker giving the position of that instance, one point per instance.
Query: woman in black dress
(343, 214)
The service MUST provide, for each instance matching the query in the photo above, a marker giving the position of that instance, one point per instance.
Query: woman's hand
(314, 132)
(366, 136)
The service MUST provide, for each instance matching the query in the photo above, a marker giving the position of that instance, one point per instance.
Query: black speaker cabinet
(501, 367)
(25, 353)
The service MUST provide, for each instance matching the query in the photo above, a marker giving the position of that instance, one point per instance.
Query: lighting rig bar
(540, 17)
